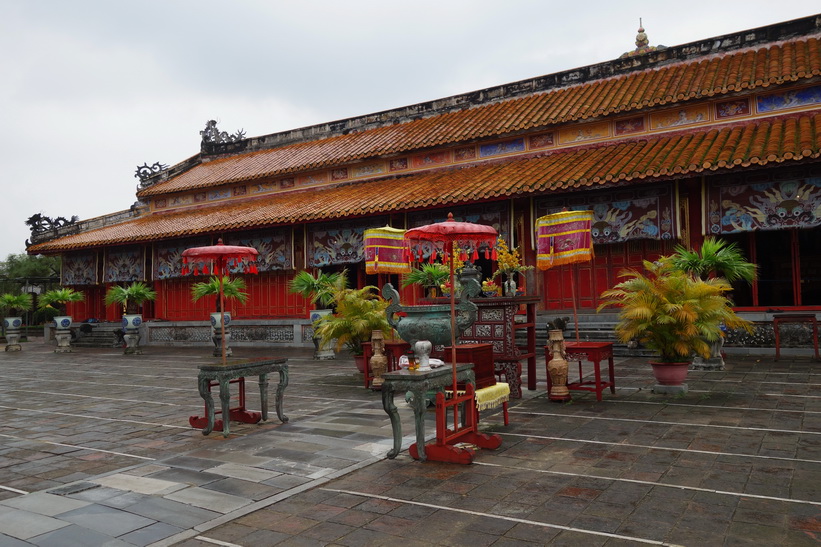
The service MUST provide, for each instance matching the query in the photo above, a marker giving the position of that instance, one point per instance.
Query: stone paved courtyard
(95, 449)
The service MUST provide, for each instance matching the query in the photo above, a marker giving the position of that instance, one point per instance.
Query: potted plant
(674, 313)
(11, 305)
(429, 276)
(509, 263)
(358, 313)
(57, 299)
(715, 258)
(319, 290)
(232, 289)
(131, 298)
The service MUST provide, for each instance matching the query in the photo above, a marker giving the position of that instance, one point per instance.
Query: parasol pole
(222, 315)
(573, 296)
(452, 320)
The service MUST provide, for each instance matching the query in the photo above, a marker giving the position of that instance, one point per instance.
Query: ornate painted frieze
(743, 206)
(275, 248)
(622, 214)
(123, 264)
(79, 269)
(168, 256)
(338, 242)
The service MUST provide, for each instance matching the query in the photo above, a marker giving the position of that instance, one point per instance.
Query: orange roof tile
(774, 140)
(703, 77)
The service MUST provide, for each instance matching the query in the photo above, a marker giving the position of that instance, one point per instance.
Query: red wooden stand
(237, 414)
(443, 449)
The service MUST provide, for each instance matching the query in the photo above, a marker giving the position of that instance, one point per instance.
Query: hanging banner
(79, 269)
(340, 242)
(385, 251)
(275, 248)
(564, 238)
(622, 214)
(746, 205)
(123, 265)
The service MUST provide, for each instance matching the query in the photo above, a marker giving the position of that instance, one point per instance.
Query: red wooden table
(595, 352)
(794, 318)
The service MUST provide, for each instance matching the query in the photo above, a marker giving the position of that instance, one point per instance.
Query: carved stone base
(63, 337)
(680, 389)
(132, 342)
(13, 340)
(217, 339)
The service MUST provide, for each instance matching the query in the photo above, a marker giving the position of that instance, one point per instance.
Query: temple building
(666, 145)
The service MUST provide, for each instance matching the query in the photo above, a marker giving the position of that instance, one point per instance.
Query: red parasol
(220, 259)
(469, 236)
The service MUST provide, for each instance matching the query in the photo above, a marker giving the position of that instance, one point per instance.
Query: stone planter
(216, 334)
(62, 333)
(12, 327)
(131, 336)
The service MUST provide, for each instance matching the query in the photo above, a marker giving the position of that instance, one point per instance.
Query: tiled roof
(752, 68)
(741, 145)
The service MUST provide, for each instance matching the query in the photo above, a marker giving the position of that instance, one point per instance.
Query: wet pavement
(96, 449)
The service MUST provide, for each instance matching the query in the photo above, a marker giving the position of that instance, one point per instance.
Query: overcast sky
(89, 90)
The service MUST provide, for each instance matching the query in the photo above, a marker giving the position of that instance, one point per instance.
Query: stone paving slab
(734, 461)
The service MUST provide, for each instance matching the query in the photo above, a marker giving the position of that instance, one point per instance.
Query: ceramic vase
(557, 367)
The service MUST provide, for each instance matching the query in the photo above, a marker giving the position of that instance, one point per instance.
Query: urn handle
(390, 294)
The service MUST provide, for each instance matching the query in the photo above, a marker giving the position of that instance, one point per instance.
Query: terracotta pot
(670, 374)
(360, 363)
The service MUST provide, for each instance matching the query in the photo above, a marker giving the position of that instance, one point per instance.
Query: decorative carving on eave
(215, 141)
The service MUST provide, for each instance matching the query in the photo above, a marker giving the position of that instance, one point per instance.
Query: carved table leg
(513, 376)
(205, 393)
(263, 395)
(396, 424)
(283, 383)
(225, 401)
(416, 398)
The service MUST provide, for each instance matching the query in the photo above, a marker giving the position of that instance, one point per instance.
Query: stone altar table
(235, 372)
(417, 385)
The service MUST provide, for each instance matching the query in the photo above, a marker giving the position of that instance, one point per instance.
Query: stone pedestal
(216, 334)
(12, 327)
(62, 333)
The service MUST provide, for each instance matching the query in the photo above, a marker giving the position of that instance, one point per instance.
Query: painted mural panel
(168, 256)
(275, 248)
(340, 242)
(739, 206)
(79, 269)
(789, 99)
(123, 264)
(623, 214)
(681, 117)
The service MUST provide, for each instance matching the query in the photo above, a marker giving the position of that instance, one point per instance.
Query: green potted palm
(232, 289)
(131, 298)
(715, 258)
(57, 299)
(358, 313)
(429, 276)
(11, 305)
(319, 290)
(673, 313)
